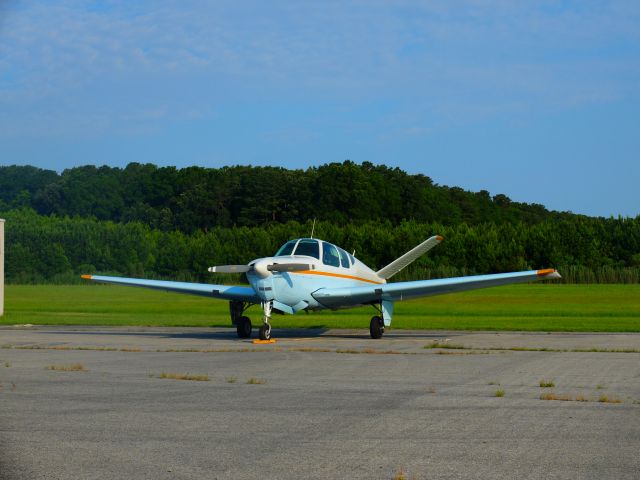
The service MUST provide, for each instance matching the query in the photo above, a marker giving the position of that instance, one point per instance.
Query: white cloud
(456, 57)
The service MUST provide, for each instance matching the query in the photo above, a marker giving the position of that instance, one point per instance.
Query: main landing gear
(243, 323)
(376, 327)
(244, 327)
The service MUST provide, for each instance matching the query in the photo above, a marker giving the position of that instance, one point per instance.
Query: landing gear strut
(265, 329)
(376, 327)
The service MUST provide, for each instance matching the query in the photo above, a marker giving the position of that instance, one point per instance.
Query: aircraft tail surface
(412, 255)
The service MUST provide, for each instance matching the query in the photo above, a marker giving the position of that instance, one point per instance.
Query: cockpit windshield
(305, 246)
(308, 247)
(286, 249)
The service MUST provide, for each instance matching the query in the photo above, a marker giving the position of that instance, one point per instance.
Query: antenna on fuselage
(313, 227)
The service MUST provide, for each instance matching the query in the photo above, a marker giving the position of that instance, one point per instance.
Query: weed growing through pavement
(547, 384)
(470, 352)
(230, 379)
(553, 396)
(499, 393)
(606, 399)
(367, 351)
(184, 376)
(577, 398)
(453, 346)
(76, 367)
(533, 349)
(309, 349)
(256, 381)
(400, 475)
(58, 347)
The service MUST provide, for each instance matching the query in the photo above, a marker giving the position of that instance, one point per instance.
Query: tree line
(197, 198)
(51, 248)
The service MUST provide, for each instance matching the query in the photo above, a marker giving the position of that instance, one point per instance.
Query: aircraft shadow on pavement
(230, 333)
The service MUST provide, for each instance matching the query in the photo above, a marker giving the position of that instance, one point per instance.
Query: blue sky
(537, 100)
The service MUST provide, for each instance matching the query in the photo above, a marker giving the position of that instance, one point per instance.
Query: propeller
(272, 267)
(229, 269)
(289, 267)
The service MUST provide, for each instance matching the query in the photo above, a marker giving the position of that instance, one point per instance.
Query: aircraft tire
(265, 332)
(376, 327)
(244, 327)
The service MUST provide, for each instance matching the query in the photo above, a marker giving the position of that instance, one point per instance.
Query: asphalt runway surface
(316, 404)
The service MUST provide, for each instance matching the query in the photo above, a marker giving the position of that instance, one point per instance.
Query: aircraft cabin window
(330, 255)
(353, 259)
(308, 247)
(344, 258)
(286, 249)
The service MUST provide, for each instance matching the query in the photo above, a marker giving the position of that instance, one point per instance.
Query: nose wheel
(265, 331)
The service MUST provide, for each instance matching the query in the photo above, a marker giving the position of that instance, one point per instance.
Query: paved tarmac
(333, 404)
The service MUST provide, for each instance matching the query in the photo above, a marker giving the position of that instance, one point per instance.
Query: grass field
(536, 307)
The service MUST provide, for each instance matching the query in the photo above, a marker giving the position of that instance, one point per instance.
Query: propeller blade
(289, 267)
(229, 269)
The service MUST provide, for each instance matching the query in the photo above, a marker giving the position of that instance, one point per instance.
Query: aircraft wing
(226, 292)
(341, 297)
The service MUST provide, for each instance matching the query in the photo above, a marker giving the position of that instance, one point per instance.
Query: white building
(1, 266)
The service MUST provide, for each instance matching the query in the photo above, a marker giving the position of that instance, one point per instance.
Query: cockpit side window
(330, 255)
(309, 248)
(353, 259)
(286, 249)
(344, 258)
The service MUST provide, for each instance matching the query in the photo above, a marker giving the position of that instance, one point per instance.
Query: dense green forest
(173, 223)
(197, 198)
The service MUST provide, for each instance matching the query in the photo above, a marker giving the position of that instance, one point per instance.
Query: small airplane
(311, 274)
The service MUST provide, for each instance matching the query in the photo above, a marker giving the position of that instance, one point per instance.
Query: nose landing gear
(265, 329)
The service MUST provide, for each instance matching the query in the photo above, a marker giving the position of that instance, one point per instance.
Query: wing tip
(549, 273)
(86, 277)
(439, 238)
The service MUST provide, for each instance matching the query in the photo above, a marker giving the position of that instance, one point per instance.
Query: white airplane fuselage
(295, 289)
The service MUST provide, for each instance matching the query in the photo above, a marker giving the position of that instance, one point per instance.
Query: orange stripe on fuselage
(339, 275)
